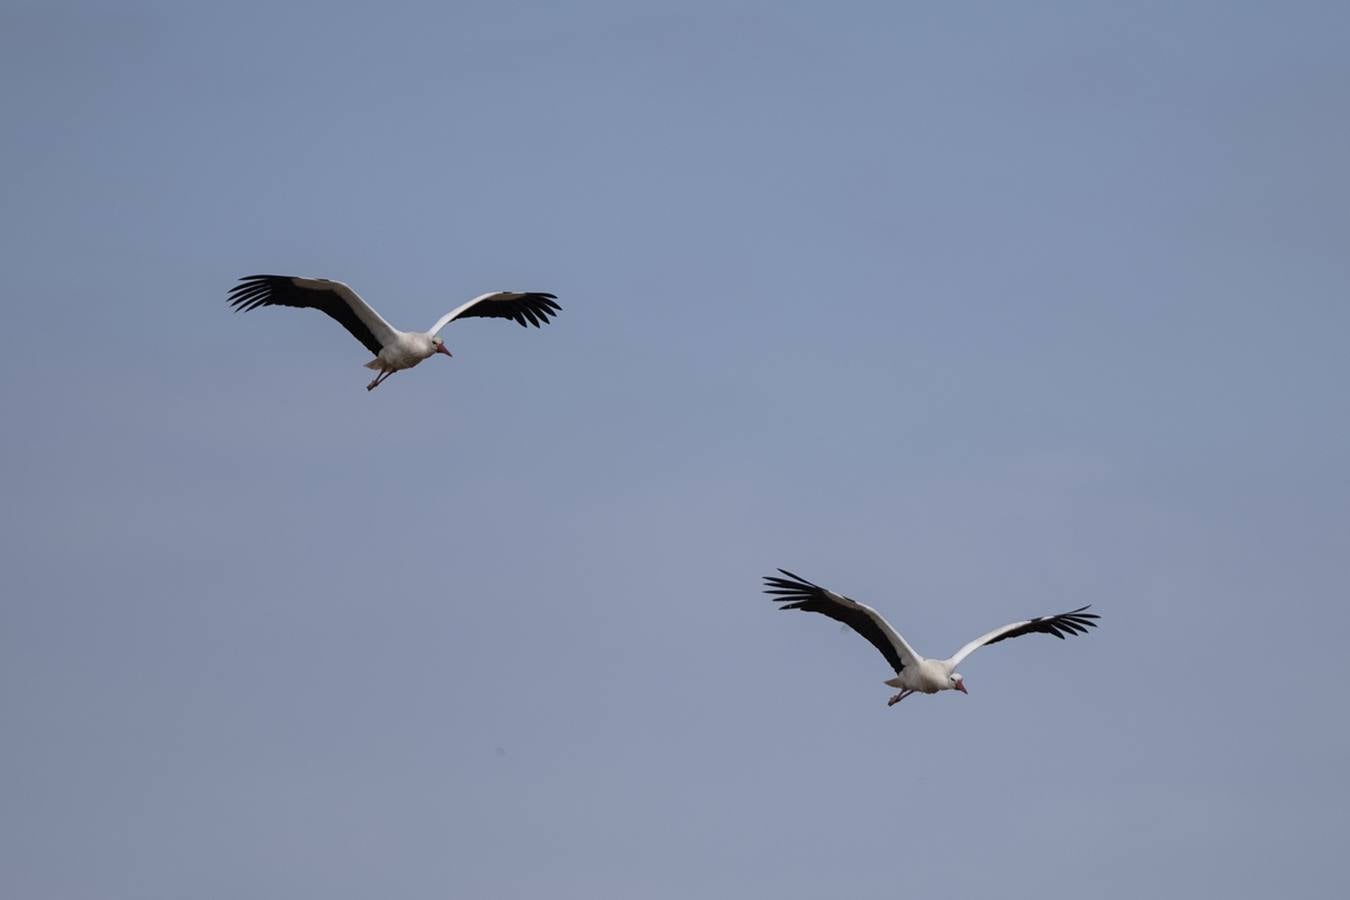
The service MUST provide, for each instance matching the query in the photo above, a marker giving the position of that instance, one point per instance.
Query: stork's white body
(926, 676)
(405, 350)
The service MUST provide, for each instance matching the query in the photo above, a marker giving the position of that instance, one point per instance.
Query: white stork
(912, 671)
(394, 350)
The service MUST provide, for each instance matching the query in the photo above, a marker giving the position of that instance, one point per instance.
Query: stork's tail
(375, 364)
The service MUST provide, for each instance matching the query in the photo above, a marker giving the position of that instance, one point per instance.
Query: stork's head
(438, 346)
(958, 683)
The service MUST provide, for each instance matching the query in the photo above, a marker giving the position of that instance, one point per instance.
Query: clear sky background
(972, 311)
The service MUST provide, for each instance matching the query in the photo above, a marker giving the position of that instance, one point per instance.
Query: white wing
(331, 297)
(1074, 622)
(527, 308)
(795, 592)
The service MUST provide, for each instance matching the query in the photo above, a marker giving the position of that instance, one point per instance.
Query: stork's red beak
(441, 348)
(961, 686)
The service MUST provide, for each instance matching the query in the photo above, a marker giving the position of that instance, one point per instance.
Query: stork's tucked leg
(900, 696)
(379, 379)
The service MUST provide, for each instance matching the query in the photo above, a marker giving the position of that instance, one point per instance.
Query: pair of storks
(397, 350)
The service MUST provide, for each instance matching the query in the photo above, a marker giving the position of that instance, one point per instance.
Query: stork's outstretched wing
(1075, 622)
(795, 592)
(332, 297)
(528, 308)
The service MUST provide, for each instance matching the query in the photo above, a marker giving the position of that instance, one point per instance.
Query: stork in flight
(394, 350)
(912, 672)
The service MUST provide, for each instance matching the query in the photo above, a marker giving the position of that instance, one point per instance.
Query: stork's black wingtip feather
(795, 577)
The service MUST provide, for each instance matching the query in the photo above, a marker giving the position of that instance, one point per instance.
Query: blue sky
(970, 311)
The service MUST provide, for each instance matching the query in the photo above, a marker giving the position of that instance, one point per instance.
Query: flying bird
(912, 672)
(394, 350)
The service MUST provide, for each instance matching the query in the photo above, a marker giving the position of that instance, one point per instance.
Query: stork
(394, 350)
(913, 673)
